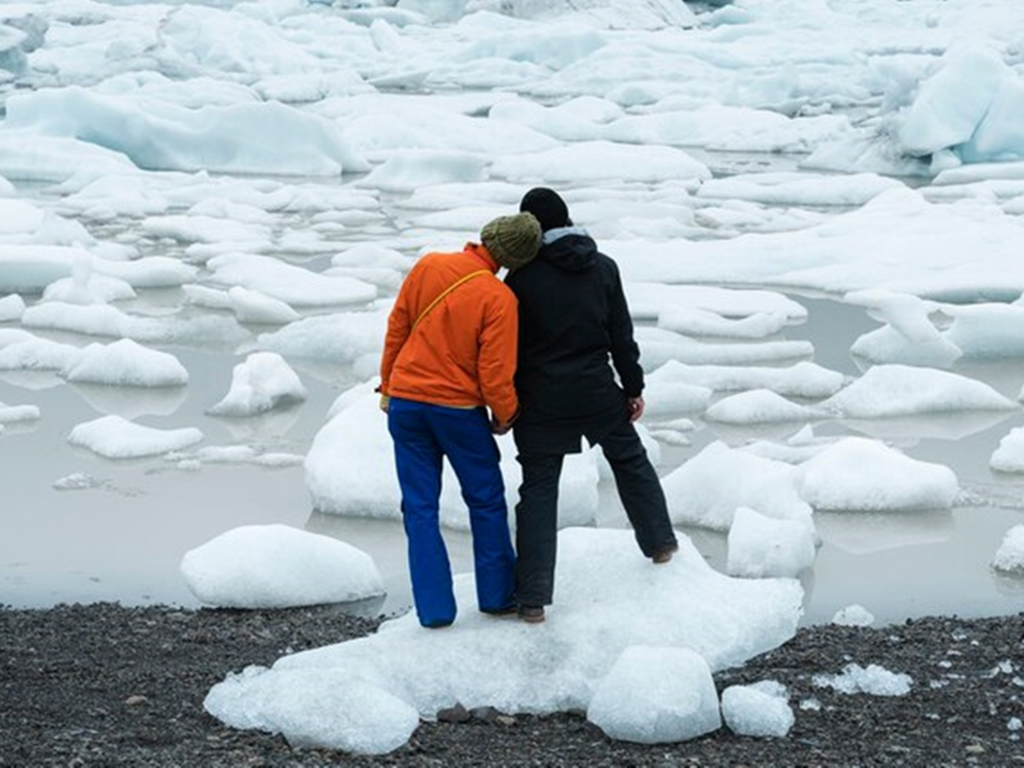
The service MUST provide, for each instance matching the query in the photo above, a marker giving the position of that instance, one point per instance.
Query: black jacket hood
(570, 249)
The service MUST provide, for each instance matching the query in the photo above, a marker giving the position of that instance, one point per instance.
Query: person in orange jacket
(450, 356)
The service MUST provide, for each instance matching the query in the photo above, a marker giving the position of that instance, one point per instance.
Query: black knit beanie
(550, 209)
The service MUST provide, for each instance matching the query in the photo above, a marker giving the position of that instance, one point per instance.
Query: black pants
(537, 511)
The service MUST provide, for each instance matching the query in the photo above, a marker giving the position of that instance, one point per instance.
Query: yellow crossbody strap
(446, 291)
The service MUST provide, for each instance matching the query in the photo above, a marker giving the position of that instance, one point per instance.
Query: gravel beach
(107, 685)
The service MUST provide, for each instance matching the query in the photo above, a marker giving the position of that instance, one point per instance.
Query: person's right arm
(399, 327)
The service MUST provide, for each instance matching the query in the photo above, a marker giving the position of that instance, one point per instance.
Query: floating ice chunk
(277, 566)
(106, 320)
(117, 438)
(903, 390)
(36, 354)
(262, 382)
(698, 322)
(758, 407)
(804, 379)
(602, 160)
(314, 708)
(952, 103)
(1010, 555)
(659, 347)
(126, 363)
(56, 158)
(799, 188)
(262, 137)
(663, 396)
(858, 473)
(12, 307)
(350, 470)
(873, 680)
(761, 709)
(255, 307)
(912, 335)
(646, 14)
(762, 546)
(195, 228)
(853, 616)
(290, 284)
(11, 414)
(406, 170)
(656, 695)
(597, 617)
(90, 289)
(697, 495)
(204, 296)
(341, 338)
(1008, 457)
(652, 300)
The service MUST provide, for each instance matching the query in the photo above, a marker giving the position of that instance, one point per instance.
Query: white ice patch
(257, 137)
(873, 680)
(262, 382)
(295, 286)
(902, 390)
(126, 363)
(114, 437)
(853, 616)
(861, 474)
(314, 708)
(761, 709)
(656, 695)
(277, 566)
(759, 406)
(761, 546)
(1008, 457)
(12, 414)
(1010, 555)
(697, 496)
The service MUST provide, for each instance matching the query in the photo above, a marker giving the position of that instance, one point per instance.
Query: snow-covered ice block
(853, 616)
(126, 363)
(858, 473)
(117, 438)
(1010, 555)
(656, 695)
(596, 617)
(315, 708)
(762, 546)
(262, 382)
(277, 566)
(697, 495)
(761, 709)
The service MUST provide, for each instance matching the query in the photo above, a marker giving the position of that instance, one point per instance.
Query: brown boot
(664, 554)
(531, 614)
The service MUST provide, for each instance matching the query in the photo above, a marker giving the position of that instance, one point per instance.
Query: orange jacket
(463, 352)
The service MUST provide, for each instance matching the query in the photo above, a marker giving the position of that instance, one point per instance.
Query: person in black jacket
(575, 335)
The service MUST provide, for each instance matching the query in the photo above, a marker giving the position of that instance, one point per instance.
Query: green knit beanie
(512, 240)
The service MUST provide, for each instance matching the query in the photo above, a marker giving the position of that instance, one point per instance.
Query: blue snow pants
(423, 434)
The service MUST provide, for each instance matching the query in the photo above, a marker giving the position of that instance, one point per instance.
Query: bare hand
(384, 401)
(500, 427)
(636, 408)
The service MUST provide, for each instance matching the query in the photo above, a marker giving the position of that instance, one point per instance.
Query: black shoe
(531, 614)
(664, 554)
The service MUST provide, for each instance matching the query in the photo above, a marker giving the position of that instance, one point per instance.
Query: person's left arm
(496, 363)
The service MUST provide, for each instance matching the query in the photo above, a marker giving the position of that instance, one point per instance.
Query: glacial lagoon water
(119, 531)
